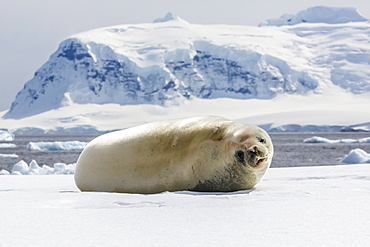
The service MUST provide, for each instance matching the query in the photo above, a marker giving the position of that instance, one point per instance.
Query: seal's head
(252, 148)
(241, 160)
(256, 150)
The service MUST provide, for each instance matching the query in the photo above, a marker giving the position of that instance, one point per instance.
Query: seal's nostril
(252, 153)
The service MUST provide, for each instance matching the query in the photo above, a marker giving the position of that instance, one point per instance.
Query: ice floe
(7, 145)
(57, 146)
(8, 156)
(318, 139)
(22, 168)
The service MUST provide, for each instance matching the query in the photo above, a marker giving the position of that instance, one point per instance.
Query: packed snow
(318, 139)
(56, 146)
(6, 136)
(310, 206)
(356, 156)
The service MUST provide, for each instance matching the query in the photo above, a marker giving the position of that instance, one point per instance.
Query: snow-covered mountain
(171, 62)
(319, 14)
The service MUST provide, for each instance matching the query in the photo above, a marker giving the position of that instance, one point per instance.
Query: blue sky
(31, 30)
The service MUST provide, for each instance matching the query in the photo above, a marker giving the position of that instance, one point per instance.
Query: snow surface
(319, 14)
(57, 146)
(6, 136)
(318, 139)
(314, 112)
(356, 156)
(310, 206)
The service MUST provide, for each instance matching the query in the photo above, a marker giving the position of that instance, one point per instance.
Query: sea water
(290, 150)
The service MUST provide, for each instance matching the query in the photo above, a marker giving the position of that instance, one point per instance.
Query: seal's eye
(261, 140)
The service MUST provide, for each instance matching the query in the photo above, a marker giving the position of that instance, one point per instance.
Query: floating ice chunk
(34, 168)
(21, 168)
(61, 168)
(7, 145)
(34, 165)
(46, 170)
(8, 156)
(6, 136)
(4, 172)
(56, 146)
(364, 140)
(318, 139)
(356, 156)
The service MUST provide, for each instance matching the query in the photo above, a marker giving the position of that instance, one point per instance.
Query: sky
(31, 30)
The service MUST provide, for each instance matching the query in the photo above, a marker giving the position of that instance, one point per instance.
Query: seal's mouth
(257, 162)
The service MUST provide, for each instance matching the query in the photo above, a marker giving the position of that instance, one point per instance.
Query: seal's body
(200, 154)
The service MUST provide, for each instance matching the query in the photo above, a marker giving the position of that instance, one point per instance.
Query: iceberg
(56, 146)
(356, 156)
(6, 136)
(20, 168)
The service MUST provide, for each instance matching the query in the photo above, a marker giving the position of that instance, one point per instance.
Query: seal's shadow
(201, 193)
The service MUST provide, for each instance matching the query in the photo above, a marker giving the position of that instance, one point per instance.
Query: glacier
(153, 71)
(143, 64)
